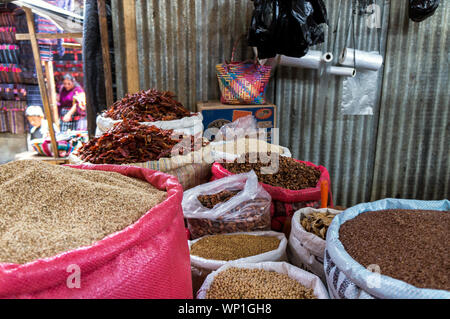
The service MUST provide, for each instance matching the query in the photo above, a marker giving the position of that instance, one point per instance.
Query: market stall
(205, 199)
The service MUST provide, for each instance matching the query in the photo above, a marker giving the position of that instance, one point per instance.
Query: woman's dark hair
(71, 78)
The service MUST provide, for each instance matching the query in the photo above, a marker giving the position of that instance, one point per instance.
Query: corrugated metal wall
(413, 143)
(179, 43)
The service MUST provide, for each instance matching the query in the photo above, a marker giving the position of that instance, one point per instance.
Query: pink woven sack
(148, 259)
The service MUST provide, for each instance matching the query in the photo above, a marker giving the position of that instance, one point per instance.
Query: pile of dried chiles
(289, 174)
(131, 142)
(148, 106)
(209, 201)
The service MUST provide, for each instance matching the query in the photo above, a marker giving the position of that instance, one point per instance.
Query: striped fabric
(15, 111)
(243, 82)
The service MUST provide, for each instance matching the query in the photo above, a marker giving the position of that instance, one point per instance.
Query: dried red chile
(148, 106)
(290, 175)
(209, 201)
(131, 142)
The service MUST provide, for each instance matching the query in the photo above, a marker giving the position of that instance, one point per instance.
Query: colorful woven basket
(242, 82)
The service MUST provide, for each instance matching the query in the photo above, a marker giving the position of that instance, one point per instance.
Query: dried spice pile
(232, 247)
(241, 283)
(317, 223)
(131, 142)
(209, 201)
(409, 245)
(48, 209)
(148, 106)
(290, 173)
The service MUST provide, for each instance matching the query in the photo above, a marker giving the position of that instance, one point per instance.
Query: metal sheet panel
(414, 129)
(368, 157)
(312, 124)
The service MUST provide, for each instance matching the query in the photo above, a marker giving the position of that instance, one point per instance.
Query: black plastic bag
(419, 10)
(287, 27)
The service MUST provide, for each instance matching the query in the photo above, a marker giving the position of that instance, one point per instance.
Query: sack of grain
(233, 204)
(405, 252)
(230, 150)
(305, 248)
(149, 258)
(285, 201)
(265, 280)
(192, 125)
(216, 251)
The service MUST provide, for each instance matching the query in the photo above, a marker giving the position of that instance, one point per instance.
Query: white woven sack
(201, 267)
(278, 254)
(347, 279)
(306, 249)
(192, 125)
(305, 278)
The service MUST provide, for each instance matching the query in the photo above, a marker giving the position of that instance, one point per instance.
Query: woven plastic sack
(303, 277)
(249, 210)
(305, 249)
(148, 259)
(191, 169)
(192, 125)
(285, 201)
(347, 279)
(202, 267)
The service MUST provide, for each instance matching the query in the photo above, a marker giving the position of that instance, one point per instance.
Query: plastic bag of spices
(234, 204)
(285, 202)
(306, 248)
(202, 266)
(307, 280)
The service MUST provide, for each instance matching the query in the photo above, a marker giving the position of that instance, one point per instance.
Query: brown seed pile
(409, 245)
(317, 223)
(250, 215)
(241, 283)
(290, 174)
(209, 201)
(232, 247)
(48, 209)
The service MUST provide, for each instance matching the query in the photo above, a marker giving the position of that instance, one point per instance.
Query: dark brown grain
(290, 174)
(409, 245)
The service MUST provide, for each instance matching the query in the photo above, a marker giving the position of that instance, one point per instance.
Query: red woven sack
(148, 259)
(285, 201)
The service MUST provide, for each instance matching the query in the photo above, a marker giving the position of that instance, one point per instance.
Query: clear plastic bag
(249, 210)
(242, 127)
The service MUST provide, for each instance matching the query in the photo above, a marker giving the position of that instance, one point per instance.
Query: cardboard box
(216, 114)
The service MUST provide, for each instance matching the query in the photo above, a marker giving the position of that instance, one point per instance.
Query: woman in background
(72, 105)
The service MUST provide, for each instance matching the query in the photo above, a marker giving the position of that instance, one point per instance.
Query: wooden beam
(71, 45)
(105, 51)
(26, 36)
(40, 76)
(131, 48)
(51, 87)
